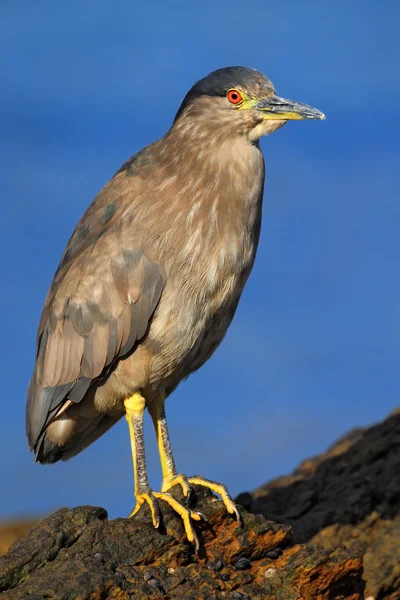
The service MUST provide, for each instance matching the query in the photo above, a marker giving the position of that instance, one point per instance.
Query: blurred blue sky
(314, 348)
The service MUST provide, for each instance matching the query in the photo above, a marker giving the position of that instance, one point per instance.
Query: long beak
(274, 107)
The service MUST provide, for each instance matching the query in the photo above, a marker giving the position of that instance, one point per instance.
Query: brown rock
(79, 554)
(349, 495)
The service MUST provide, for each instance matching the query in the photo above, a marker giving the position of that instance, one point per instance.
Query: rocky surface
(349, 495)
(79, 554)
(336, 508)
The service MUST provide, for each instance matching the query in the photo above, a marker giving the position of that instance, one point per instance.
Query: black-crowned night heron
(151, 278)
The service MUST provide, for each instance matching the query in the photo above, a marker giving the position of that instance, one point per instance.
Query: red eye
(234, 96)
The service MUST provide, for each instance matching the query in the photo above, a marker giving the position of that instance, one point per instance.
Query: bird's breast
(215, 247)
(222, 228)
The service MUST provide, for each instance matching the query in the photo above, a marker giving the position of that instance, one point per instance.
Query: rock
(79, 554)
(349, 495)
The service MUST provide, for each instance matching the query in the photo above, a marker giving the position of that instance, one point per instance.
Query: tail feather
(88, 431)
(44, 402)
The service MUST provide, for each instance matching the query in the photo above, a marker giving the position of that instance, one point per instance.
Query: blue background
(314, 348)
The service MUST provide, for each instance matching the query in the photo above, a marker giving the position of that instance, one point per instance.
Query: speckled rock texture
(339, 508)
(79, 554)
(350, 496)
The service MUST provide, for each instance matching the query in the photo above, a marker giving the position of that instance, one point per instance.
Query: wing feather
(92, 317)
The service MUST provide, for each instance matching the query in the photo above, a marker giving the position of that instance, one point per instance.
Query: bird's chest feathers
(222, 223)
(213, 243)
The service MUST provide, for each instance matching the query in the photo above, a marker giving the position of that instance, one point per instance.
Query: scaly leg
(134, 407)
(170, 475)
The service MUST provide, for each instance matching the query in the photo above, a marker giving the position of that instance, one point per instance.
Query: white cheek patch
(266, 127)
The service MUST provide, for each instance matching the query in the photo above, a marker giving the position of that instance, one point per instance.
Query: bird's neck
(213, 167)
(214, 190)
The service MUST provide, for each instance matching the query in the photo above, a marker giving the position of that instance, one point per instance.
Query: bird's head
(241, 101)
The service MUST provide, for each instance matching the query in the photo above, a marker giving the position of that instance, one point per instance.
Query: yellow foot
(153, 504)
(186, 514)
(214, 486)
(179, 479)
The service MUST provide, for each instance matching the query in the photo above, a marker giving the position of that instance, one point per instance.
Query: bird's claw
(147, 497)
(186, 484)
(178, 479)
(202, 516)
(218, 488)
(190, 496)
(152, 499)
(187, 515)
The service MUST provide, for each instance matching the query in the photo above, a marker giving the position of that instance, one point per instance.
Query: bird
(150, 280)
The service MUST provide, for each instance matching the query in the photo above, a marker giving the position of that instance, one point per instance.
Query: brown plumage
(152, 275)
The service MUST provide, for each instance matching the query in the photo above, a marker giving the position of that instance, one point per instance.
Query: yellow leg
(134, 407)
(170, 475)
